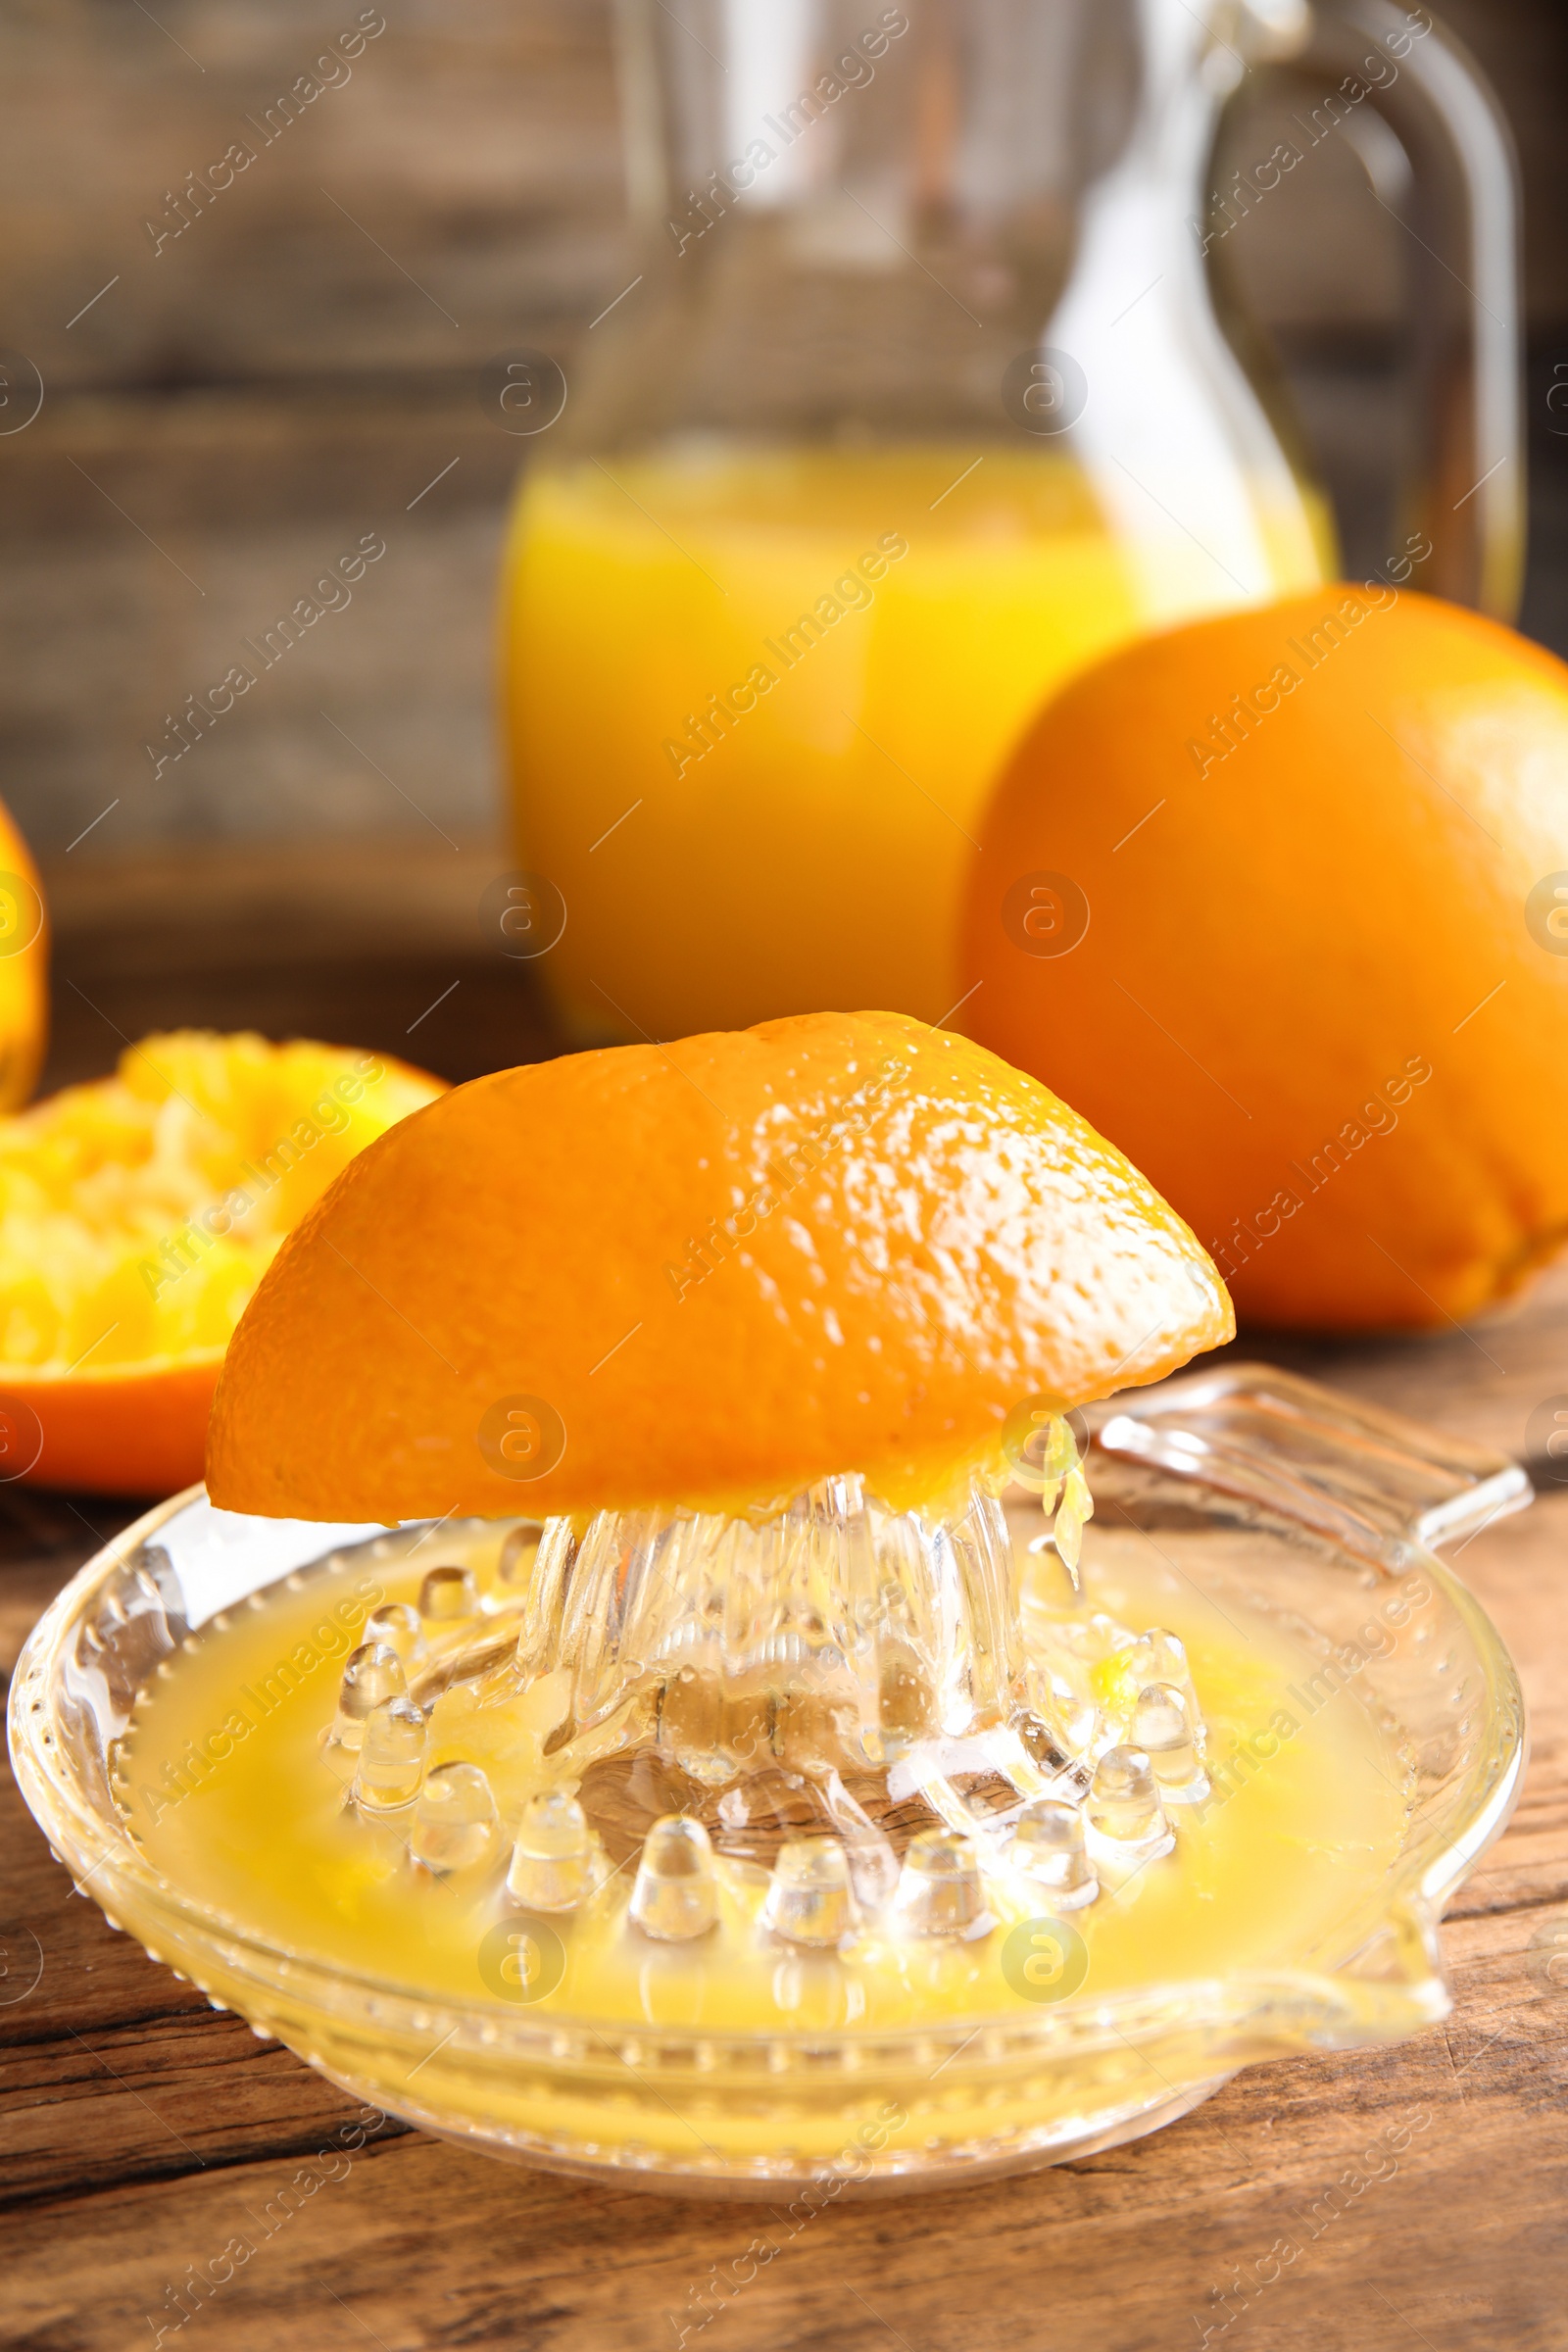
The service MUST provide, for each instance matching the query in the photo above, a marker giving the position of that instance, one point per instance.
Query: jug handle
(1457, 201)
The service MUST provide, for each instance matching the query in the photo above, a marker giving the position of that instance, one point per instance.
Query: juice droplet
(940, 1890)
(391, 1756)
(556, 1860)
(1167, 1663)
(1047, 1846)
(448, 1594)
(518, 1552)
(456, 1825)
(1162, 1726)
(676, 1895)
(374, 1674)
(398, 1626)
(1124, 1803)
(809, 1899)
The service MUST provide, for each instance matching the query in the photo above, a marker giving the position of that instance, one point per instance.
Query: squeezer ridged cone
(836, 1672)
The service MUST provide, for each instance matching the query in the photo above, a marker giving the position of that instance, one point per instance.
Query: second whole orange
(1279, 900)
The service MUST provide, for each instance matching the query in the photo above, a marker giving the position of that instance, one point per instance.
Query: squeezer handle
(1381, 1487)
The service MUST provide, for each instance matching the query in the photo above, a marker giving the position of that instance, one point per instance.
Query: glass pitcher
(916, 403)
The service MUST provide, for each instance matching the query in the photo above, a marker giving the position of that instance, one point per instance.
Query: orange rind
(706, 1273)
(137, 1216)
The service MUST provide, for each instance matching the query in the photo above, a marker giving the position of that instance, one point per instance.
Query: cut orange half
(137, 1216)
(706, 1273)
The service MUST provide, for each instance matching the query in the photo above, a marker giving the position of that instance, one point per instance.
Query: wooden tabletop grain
(140, 2131)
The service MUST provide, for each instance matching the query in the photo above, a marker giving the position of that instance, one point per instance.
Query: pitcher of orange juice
(915, 402)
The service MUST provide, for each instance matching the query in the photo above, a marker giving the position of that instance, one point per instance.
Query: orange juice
(756, 699)
(1278, 1869)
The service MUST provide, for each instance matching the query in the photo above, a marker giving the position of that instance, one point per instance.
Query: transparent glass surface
(915, 403)
(848, 1747)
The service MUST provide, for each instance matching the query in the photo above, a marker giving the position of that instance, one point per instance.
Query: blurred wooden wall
(229, 410)
(248, 398)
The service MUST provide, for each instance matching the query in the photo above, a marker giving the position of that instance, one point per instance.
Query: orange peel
(706, 1273)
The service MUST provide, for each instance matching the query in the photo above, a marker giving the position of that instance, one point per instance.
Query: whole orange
(1280, 902)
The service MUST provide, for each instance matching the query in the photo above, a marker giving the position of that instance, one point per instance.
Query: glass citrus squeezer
(916, 401)
(825, 1852)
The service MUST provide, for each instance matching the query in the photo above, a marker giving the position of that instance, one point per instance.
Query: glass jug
(916, 403)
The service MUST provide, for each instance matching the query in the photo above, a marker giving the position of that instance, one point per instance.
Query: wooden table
(140, 2130)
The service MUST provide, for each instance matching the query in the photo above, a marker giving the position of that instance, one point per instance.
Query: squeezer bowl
(1261, 1494)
